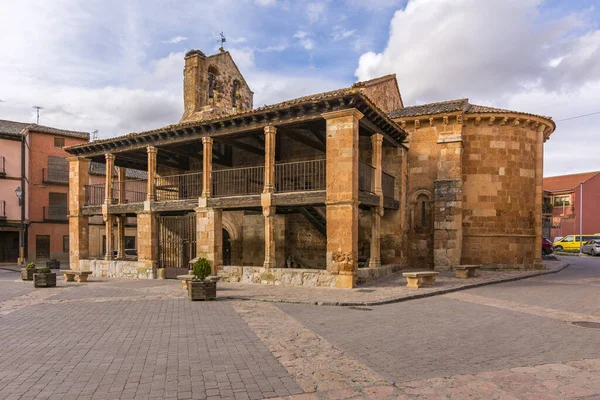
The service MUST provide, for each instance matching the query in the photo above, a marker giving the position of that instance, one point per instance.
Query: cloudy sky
(116, 65)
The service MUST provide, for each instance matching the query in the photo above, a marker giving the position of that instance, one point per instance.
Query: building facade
(323, 190)
(46, 189)
(564, 199)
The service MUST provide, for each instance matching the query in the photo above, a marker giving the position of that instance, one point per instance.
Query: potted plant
(44, 277)
(53, 264)
(27, 273)
(200, 288)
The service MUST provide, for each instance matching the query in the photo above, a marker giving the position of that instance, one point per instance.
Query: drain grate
(587, 324)
(360, 308)
(366, 290)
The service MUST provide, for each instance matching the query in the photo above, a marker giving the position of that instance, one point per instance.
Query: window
(235, 93)
(562, 200)
(130, 242)
(58, 170)
(212, 83)
(422, 214)
(568, 239)
(59, 142)
(57, 206)
(66, 244)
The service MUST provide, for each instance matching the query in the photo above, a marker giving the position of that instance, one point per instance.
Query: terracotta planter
(27, 273)
(202, 290)
(44, 280)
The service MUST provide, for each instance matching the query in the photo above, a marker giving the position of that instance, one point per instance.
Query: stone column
(376, 212)
(539, 196)
(207, 147)
(151, 195)
(342, 195)
(267, 198)
(147, 237)
(108, 223)
(209, 236)
(121, 177)
(78, 224)
(110, 169)
(121, 236)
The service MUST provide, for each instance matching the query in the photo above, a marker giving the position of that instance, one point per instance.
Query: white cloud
(502, 54)
(315, 11)
(176, 39)
(265, 3)
(340, 33)
(304, 40)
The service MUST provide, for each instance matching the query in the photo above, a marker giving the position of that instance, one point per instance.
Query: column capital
(207, 139)
(151, 149)
(377, 138)
(78, 158)
(349, 112)
(270, 129)
(109, 156)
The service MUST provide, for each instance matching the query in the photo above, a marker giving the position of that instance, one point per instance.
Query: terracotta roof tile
(15, 128)
(97, 168)
(449, 106)
(567, 182)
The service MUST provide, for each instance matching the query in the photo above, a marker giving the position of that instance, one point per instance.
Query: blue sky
(116, 65)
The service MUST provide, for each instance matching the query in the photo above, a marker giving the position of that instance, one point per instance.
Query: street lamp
(19, 193)
(21, 261)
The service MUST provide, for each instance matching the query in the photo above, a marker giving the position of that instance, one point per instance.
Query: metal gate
(176, 243)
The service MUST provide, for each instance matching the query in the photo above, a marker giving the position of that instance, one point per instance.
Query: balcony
(2, 210)
(55, 213)
(178, 187)
(55, 175)
(94, 194)
(238, 181)
(129, 191)
(366, 173)
(2, 167)
(300, 176)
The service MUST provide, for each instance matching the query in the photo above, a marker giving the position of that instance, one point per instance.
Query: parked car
(572, 242)
(591, 247)
(129, 253)
(546, 247)
(556, 239)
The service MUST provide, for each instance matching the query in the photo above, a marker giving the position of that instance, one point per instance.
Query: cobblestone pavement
(113, 339)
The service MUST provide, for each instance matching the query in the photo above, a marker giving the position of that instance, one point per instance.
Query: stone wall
(277, 276)
(304, 243)
(117, 269)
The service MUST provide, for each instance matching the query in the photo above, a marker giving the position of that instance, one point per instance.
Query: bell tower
(213, 87)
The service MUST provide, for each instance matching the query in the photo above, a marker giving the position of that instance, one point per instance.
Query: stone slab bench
(186, 278)
(415, 280)
(70, 275)
(466, 271)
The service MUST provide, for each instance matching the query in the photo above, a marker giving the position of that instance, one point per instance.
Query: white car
(591, 247)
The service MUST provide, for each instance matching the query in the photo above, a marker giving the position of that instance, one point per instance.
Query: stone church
(324, 190)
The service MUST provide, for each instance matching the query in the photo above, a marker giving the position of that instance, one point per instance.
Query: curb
(402, 298)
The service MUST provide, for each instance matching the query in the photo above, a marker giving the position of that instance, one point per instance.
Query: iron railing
(300, 176)
(238, 181)
(177, 187)
(55, 213)
(388, 183)
(2, 165)
(53, 175)
(94, 194)
(366, 172)
(134, 191)
(2, 209)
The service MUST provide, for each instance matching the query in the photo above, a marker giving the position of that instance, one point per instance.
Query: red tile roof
(567, 182)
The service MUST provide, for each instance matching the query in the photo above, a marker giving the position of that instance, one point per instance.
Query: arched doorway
(226, 248)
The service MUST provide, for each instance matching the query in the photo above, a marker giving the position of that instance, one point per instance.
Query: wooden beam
(244, 146)
(296, 134)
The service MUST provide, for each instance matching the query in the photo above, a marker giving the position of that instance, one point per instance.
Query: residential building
(564, 202)
(322, 190)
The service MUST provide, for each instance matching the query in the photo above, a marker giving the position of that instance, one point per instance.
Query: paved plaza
(120, 339)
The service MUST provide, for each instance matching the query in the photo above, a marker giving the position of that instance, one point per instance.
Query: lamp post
(19, 193)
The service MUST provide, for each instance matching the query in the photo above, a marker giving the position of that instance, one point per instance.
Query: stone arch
(421, 210)
(235, 93)
(232, 224)
(213, 87)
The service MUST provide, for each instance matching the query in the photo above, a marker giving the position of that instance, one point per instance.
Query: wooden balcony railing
(388, 183)
(300, 176)
(366, 172)
(238, 181)
(53, 175)
(55, 213)
(179, 187)
(135, 191)
(94, 194)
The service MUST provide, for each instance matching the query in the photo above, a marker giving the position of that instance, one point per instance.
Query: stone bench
(466, 271)
(415, 280)
(186, 278)
(70, 275)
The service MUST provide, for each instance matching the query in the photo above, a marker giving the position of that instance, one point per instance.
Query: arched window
(212, 83)
(235, 93)
(422, 213)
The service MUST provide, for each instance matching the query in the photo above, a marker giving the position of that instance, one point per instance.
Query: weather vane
(223, 40)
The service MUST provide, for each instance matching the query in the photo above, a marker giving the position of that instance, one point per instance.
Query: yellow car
(572, 242)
